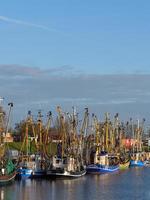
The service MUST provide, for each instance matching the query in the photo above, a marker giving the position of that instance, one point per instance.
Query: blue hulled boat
(24, 173)
(30, 165)
(32, 169)
(136, 160)
(31, 172)
(101, 169)
(25, 169)
(136, 163)
(102, 164)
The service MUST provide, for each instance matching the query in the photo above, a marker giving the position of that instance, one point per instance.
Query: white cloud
(24, 23)
(44, 89)
(21, 72)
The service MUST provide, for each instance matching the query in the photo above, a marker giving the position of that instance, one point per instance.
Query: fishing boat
(134, 163)
(68, 161)
(124, 165)
(32, 165)
(102, 162)
(5, 179)
(25, 169)
(7, 168)
(102, 165)
(25, 162)
(137, 159)
(8, 172)
(33, 168)
(101, 169)
(147, 163)
(124, 161)
(39, 168)
(65, 168)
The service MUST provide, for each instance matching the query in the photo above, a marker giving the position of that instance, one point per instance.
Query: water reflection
(130, 184)
(5, 193)
(2, 194)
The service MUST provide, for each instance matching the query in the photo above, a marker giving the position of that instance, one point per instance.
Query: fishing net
(10, 167)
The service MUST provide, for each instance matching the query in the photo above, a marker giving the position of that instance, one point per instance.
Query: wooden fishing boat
(7, 168)
(5, 179)
(8, 171)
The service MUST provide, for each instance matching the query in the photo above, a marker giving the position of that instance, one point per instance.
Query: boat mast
(84, 133)
(2, 119)
(97, 133)
(29, 121)
(40, 125)
(26, 133)
(85, 123)
(74, 131)
(133, 135)
(48, 125)
(117, 135)
(138, 135)
(62, 129)
(106, 130)
(142, 132)
(7, 124)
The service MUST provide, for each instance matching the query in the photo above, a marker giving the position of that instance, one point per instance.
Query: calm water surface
(132, 184)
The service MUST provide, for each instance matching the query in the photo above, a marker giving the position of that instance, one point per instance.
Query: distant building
(146, 142)
(129, 142)
(54, 136)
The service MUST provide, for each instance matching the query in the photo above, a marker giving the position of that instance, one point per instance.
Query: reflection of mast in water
(2, 195)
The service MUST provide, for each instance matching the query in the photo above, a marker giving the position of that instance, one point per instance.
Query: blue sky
(97, 36)
(76, 53)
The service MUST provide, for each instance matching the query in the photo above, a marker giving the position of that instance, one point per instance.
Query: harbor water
(124, 185)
